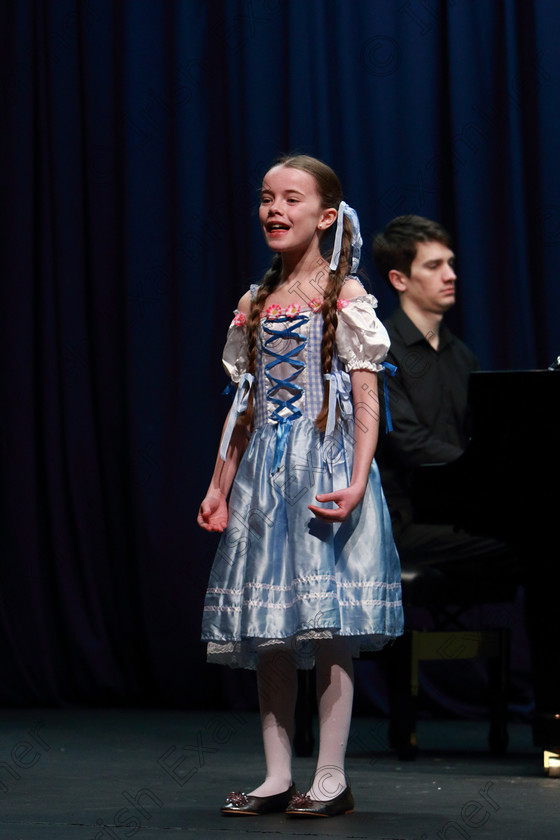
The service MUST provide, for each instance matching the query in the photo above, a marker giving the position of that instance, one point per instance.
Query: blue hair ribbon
(345, 210)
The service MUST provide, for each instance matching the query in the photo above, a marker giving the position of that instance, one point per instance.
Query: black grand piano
(505, 485)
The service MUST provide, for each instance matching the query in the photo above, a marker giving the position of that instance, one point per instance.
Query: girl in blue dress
(306, 572)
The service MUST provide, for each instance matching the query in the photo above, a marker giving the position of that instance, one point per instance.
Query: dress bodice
(289, 380)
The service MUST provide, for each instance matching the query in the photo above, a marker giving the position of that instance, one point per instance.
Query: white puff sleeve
(234, 357)
(362, 341)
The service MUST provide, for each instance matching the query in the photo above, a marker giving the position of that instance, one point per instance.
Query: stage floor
(156, 775)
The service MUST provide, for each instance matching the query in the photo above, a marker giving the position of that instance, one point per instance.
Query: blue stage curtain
(134, 135)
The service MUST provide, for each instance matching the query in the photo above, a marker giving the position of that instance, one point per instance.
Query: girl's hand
(346, 499)
(213, 512)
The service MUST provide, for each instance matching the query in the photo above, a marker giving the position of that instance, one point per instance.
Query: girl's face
(290, 212)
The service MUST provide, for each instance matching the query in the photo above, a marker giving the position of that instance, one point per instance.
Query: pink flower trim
(239, 319)
(316, 304)
(273, 311)
(342, 303)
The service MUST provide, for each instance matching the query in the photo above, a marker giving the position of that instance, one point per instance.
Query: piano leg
(542, 588)
(402, 698)
(498, 668)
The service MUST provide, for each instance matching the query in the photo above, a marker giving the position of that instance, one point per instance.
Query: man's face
(430, 287)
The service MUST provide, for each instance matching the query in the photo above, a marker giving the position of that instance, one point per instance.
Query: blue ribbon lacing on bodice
(340, 390)
(289, 331)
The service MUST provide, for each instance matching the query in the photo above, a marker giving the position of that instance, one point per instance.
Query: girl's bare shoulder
(352, 288)
(244, 304)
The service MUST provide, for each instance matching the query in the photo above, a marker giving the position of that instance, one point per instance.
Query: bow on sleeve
(339, 391)
(240, 402)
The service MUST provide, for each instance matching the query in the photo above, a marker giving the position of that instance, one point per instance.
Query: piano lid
(514, 404)
(505, 481)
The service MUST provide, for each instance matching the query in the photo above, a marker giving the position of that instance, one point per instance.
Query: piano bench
(417, 646)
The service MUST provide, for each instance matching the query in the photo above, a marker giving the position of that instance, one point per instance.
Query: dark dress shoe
(302, 805)
(253, 806)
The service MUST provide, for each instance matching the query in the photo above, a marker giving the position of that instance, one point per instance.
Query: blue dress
(281, 577)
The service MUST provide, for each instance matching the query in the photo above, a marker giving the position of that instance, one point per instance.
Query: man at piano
(428, 395)
(428, 400)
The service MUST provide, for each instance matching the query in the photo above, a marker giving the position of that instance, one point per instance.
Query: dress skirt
(281, 577)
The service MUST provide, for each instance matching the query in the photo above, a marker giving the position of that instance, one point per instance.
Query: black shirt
(428, 405)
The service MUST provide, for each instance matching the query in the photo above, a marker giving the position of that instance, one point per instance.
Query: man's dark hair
(395, 248)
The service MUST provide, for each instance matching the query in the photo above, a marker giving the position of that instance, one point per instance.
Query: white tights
(277, 686)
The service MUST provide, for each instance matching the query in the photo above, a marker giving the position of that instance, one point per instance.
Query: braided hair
(330, 192)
